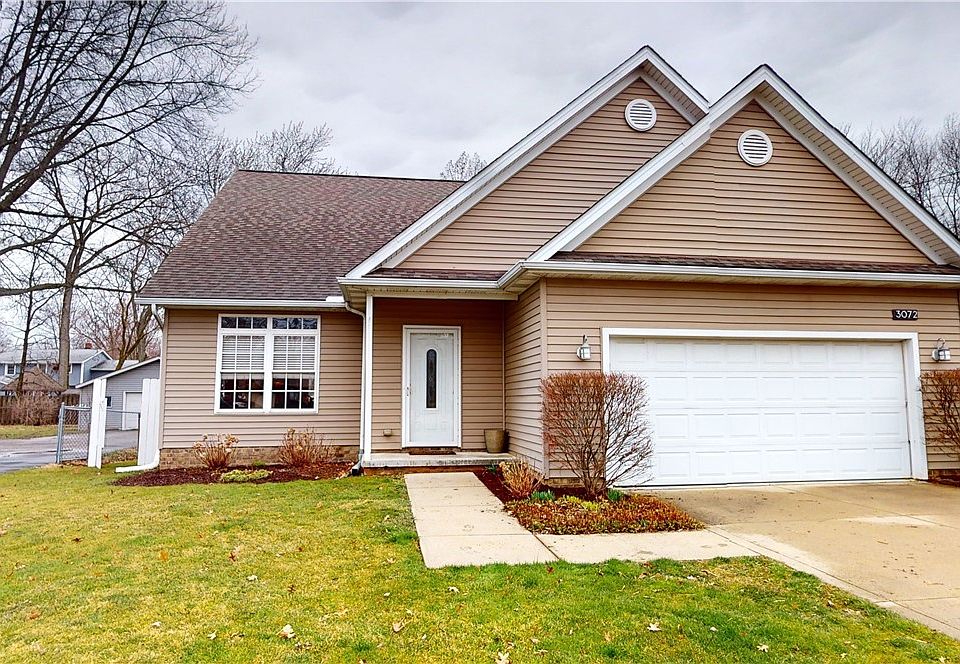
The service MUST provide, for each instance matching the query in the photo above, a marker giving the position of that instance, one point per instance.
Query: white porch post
(98, 423)
(366, 388)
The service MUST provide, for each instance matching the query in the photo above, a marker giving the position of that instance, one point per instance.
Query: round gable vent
(640, 114)
(755, 147)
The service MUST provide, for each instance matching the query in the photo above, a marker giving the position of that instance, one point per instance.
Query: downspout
(358, 466)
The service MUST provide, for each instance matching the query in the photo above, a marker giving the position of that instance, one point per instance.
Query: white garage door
(742, 410)
(131, 406)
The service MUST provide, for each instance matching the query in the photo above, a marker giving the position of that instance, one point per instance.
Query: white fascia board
(120, 371)
(650, 173)
(606, 269)
(444, 284)
(846, 146)
(247, 303)
(636, 184)
(518, 156)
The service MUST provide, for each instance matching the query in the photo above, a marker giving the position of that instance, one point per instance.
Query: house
(83, 361)
(124, 391)
(35, 382)
(779, 293)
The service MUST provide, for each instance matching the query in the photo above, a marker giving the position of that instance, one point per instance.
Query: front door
(432, 387)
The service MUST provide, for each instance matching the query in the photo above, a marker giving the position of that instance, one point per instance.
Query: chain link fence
(73, 433)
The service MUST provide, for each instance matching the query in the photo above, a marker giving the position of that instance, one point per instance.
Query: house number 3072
(906, 314)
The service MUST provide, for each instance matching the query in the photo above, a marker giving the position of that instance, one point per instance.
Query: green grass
(8, 431)
(94, 572)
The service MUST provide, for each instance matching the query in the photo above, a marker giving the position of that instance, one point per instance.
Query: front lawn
(97, 572)
(10, 431)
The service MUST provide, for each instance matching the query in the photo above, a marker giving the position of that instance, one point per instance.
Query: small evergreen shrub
(542, 496)
(238, 475)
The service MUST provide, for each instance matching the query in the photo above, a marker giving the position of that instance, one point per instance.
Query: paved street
(31, 452)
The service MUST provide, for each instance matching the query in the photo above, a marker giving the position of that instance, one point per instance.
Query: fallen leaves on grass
(397, 626)
(763, 647)
(286, 632)
(654, 627)
(503, 658)
(164, 556)
(569, 515)
(235, 553)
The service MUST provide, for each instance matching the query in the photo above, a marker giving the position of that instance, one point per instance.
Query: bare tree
(110, 204)
(111, 320)
(78, 77)
(463, 167)
(926, 165)
(290, 149)
(596, 425)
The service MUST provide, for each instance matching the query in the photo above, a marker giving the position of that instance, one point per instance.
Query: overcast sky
(406, 87)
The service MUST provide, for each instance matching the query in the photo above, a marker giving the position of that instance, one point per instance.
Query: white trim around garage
(911, 359)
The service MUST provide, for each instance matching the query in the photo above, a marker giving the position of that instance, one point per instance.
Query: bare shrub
(941, 394)
(519, 478)
(215, 454)
(596, 425)
(34, 409)
(304, 449)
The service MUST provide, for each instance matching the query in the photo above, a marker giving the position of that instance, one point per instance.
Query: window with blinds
(268, 363)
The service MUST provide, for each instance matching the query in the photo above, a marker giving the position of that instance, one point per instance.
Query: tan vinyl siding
(554, 189)
(189, 377)
(715, 204)
(481, 362)
(584, 307)
(522, 339)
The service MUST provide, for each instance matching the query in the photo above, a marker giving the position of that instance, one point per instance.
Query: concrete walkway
(894, 543)
(460, 522)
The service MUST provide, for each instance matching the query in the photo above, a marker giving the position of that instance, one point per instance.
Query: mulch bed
(173, 476)
(569, 515)
(572, 514)
(494, 481)
(946, 477)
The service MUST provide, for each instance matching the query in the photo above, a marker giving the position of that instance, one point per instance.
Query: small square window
(279, 323)
(109, 402)
(229, 322)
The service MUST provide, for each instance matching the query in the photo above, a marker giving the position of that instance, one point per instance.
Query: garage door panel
(752, 411)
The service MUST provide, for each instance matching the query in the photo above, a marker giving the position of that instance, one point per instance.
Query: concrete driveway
(17, 454)
(896, 544)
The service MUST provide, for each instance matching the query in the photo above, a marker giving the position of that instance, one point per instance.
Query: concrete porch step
(458, 459)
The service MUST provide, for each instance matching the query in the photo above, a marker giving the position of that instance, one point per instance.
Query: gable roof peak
(645, 64)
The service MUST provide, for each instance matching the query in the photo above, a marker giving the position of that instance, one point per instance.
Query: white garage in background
(756, 406)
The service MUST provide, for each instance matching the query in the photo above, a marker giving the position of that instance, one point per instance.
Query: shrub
(595, 424)
(303, 449)
(215, 454)
(240, 475)
(613, 495)
(941, 394)
(520, 479)
(542, 496)
(34, 409)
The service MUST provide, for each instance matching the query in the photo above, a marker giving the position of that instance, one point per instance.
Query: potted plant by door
(496, 440)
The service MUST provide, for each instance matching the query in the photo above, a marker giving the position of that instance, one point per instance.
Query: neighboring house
(83, 361)
(777, 290)
(35, 381)
(124, 391)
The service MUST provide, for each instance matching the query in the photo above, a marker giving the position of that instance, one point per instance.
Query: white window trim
(269, 333)
(10, 370)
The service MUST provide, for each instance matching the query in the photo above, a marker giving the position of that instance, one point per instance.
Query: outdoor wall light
(941, 353)
(583, 350)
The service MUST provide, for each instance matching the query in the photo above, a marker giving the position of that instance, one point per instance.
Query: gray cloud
(404, 87)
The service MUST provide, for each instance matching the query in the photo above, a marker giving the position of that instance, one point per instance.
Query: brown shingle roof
(289, 235)
(757, 263)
